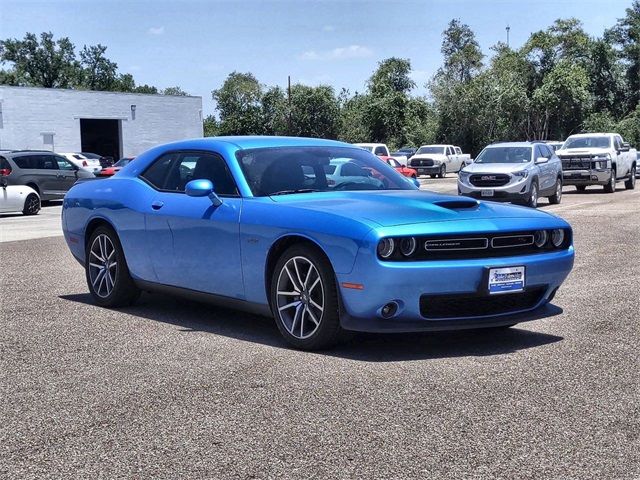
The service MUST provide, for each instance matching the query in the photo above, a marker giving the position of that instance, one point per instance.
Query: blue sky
(196, 44)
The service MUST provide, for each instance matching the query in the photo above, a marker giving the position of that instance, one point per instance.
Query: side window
(64, 164)
(449, 151)
(352, 170)
(23, 162)
(618, 142)
(208, 166)
(47, 162)
(379, 151)
(544, 151)
(156, 174)
(458, 150)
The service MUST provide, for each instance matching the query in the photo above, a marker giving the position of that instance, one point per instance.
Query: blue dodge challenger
(264, 224)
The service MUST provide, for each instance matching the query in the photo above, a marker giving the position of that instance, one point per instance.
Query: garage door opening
(101, 137)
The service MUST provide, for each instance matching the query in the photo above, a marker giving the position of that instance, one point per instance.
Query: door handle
(157, 205)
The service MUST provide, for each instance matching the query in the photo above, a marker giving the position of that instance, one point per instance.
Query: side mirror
(541, 160)
(625, 147)
(202, 188)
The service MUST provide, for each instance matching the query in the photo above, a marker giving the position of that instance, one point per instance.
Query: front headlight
(603, 156)
(386, 247)
(462, 175)
(521, 174)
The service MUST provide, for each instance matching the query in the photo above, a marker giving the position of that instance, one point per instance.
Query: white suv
(519, 172)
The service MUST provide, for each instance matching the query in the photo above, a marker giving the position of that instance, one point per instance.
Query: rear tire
(304, 299)
(610, 187)
(556, 198)
(106, 270)
(31, 205)
(630, 184)
(581, 188)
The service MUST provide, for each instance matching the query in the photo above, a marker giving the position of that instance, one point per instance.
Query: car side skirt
(204, 297)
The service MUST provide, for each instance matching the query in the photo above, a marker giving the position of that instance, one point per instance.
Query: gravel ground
(174, 389)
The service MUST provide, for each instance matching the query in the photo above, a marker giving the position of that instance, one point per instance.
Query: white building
(107, 123)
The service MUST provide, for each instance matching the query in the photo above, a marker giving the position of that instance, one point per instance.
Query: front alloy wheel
(106, 269)
(304, 298)
(31, 204)
(443, 171)
(533, 196)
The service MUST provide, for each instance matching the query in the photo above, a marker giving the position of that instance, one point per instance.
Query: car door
(193, 244)
(546, 177)
(66, 174)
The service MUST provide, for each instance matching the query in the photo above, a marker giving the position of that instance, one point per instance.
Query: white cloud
(340, 53)
(156, 30)
(328, 28)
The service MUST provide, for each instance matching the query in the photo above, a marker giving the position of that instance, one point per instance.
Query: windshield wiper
(298, 190)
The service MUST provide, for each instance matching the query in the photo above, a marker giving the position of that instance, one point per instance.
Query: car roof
(514, 144)
(257, 141)
(578, 135)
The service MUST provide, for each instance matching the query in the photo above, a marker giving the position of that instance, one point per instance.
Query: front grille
(422, 162)
(489, 180)
(478, 245)
(470, 305)
(576, 162)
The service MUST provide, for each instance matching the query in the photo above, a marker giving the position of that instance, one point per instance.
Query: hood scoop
(465, 204)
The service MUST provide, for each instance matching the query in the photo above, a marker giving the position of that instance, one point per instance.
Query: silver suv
(48, 174)
(518, 172)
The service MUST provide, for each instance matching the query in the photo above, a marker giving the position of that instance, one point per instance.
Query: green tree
(41, 63)
(124, 83)
(98, 72)
(239, 102)
(462, 54)
(175, 91)
(275, 112)
(607, 79)
(314, 112)
(352, 128)
(210, 126)
(145, 89)
(626, 35)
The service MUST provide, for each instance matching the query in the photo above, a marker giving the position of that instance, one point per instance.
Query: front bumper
(433, 170)
(586, 177)
(406, 282)
(514, 191)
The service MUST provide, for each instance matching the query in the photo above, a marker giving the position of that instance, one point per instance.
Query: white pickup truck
(597, 159)
(439, 160)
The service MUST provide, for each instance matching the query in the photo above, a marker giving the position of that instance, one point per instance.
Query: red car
(406, 171)
(107, 172)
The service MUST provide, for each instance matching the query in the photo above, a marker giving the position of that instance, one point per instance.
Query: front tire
(106, 270)
(556, 198)
(31, 205)
(630, 184)
(304, 299)
(610, 187)
(533, 195)
(443, 171)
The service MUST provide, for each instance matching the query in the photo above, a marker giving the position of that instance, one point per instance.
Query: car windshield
(122, 162)
(439, 150)
(368, 148)
(587, 142)
(287, 170)
(504, 155)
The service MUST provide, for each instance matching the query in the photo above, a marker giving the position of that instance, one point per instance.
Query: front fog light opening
(389, 310)
(408, 246)
(557, 237)
(386, 247)
(540, 238)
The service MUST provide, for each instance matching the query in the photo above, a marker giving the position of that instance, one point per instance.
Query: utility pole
(289, 100)
(508, 28)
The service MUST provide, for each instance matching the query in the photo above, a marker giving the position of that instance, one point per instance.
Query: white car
(438, 160)
(89, 164)
(379, 149)
(18, 198)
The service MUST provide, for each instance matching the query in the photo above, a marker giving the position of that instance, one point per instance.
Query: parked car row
(29, 177)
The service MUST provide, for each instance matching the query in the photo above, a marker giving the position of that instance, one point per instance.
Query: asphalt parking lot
(173, 389)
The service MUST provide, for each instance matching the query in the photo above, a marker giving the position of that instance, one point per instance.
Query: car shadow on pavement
(368, 347)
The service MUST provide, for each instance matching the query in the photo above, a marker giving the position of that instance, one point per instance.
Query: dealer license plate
(506, 280)
(486, 193)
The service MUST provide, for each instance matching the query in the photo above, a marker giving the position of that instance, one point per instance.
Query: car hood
(434, 156)
(583, 151)
(405, 207)
(495, 167)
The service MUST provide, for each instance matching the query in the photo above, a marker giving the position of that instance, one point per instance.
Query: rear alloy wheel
(533, 196)
(556, 198)
(31, 204)
(106, 270)
(304, 299)
(630, 184)
(610, 187)
(443, 171)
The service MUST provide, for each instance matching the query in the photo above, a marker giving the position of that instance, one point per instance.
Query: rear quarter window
(26, 161)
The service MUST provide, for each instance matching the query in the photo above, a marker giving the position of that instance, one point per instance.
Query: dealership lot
(170, 388)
